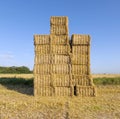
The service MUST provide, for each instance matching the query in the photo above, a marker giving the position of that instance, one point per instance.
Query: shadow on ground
(24, 86)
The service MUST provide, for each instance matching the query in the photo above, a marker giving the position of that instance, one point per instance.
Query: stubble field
(17, 102)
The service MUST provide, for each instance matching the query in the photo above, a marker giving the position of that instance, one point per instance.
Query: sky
(21, 19)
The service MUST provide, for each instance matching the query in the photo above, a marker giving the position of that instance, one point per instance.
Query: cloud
(7, 56)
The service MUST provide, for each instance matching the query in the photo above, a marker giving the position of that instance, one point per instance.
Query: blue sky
(21, 19)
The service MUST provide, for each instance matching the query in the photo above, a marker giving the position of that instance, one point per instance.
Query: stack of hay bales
(52, 60)
(61, 69)
(61, 56)
(80, 62)
(42, 66)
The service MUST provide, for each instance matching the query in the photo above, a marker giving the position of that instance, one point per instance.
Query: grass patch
(16, 81)
(107, 81)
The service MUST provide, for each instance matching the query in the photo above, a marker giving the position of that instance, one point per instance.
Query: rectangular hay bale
(84, 80)
(42, 69)
(43, 80)
(60, 49)
(63, 91)
(41, 39)
(80, 39)
(60, 59)
(45, 91)
(85, 91)
(42, 49)
(61, 80)
(80, 59)
(42, 58)
(59, 39)
(60, 69)
(81, 49)
(56, 20)
(59, 29)
(81, 69)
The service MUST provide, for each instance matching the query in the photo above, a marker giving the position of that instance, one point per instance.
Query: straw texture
(63, 20)
(83, 80)
(80, 59)
(80, 39)
(59, 39)
(85, 91)
(80, 69)
(41, 39)
(61, 66)
(63, 91)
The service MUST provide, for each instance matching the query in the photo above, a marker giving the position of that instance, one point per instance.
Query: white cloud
(6, 56)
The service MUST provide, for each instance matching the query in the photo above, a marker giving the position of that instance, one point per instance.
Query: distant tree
(15, 70)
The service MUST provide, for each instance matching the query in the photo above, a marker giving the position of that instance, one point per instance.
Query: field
(17, 102)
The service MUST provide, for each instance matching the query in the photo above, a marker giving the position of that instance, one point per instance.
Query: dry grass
(26, 76)
(18, 102)
(105, 75)
(31, 75)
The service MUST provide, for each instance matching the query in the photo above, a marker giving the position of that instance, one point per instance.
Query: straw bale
(60, 59)
(59, 30)
(81, 69)
(59, 39)
(42, 69)
(63, 91)
(42, 49)
(61, 80)
(41, 39)
(84, 80)
(42, 58)
(60, 49)
(81, 49)
(60, 68)
(80, 39)
(56, 20)
(85, 91)
(43, 80)
(80, 59)
(45, 91)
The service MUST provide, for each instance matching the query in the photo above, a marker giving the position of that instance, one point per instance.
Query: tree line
(15, 70)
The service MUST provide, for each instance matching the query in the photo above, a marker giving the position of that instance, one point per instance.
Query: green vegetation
(15, 70)
(16, 81)
(29, 82)
(107, 81)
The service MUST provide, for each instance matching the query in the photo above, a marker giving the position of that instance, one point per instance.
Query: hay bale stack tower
(62, 68)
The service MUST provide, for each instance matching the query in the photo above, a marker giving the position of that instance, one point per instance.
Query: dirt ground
(18, 102)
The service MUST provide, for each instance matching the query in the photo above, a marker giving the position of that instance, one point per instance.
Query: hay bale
(81, 69)
(60, 69)
(41, 39)
(60, 49)
(80, 59)
(42, 58)
(42, 69)
(56, 20)
(85, 91)
(61, 80)
(83, 80)
(81, 49)
(60, 59)
(59, 30)
(63, 91)
(80, 39)
(51, 59)
(45, 91)
(43, 80)
(59, 39)
(42, 49)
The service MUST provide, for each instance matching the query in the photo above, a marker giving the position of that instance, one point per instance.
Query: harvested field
(24, 105)
(31, 75)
